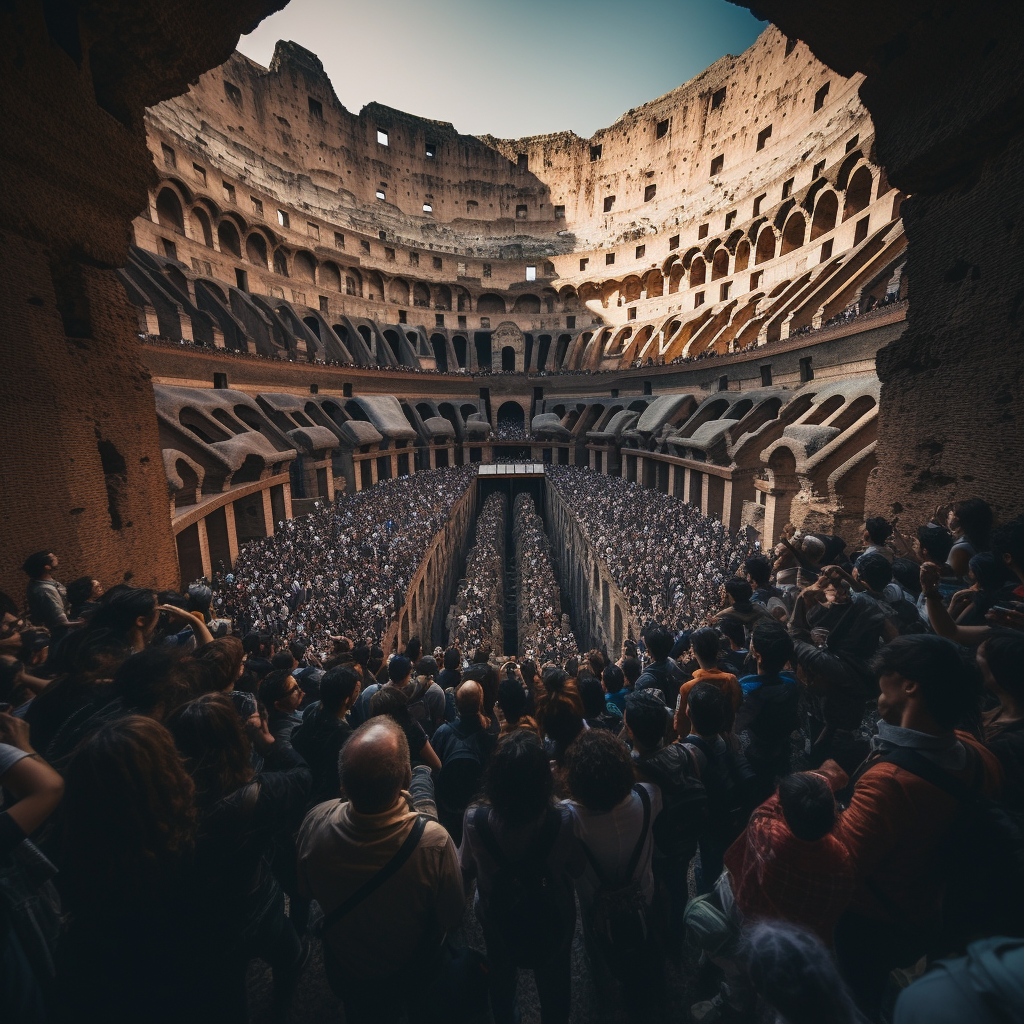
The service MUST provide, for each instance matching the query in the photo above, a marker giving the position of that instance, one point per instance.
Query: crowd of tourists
(345, 567)
(544, 629)
(809, 798)
(475, 619)
(669, 559)
(508, 429)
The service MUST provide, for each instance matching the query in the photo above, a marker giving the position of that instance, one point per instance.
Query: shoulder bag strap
(639, 849)
(371, 885)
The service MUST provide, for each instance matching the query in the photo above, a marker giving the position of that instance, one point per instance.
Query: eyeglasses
(294, 689)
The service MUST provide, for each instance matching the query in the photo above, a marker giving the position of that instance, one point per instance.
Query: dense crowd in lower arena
(667, 557)
(544, 629)
(475, 619)
(803, 796)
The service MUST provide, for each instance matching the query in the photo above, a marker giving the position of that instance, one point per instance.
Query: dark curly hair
(599, 771)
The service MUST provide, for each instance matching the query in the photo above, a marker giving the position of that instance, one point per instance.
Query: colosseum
(262, 343)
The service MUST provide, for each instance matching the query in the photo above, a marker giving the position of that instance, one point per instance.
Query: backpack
(532, 909)
(458, 781)
(982, 856)
(727, 779)
(684, 811)
(619, 923)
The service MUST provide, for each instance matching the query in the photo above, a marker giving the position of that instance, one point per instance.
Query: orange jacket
(725, 681)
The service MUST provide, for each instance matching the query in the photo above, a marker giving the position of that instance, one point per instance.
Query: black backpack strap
(645, 799)
(371, 885)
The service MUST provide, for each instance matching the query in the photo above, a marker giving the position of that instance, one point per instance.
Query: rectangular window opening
(324, 306)
(522, 212)
(852, 143)
(414, 259)
(437, 263)
(806, 370)
(763, 136)
(389, 255)
(787, 188)
(282, 218)
(487, 270)
(595, 152)
(241, 280)
(650, 192)
(316, 108)
(439, 319)
(583, 262)
(200, 172)
(717, 98)
(819, 96)
(861, 231)
(723, 293)
(758, 200)
(339, 240)
(382, 137)
(640, 251)
(662, 129)
(570, 321)
(313, 230)
(698, 300)
(717, 163)
(431, 150)
(702, 231)
(609, 202)
(819, 170)
(673, 243)
(766, 376)
(169, 158)
(755, 279)
(403, 316)
(826, 251)
(730, 219)
(364, 246)
(609, 258)
(522, 161)
(531, 273)
(631, 313)
(559, 213)
(233, 93)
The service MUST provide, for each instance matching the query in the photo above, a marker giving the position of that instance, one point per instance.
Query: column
(286, 489)
(330, 479)
(229, 516)
(394, 467)
(204, 549)
(686, 483)
(433, 457)
(671, 478)
(639, 471)
(727, 504)
(451, 454)
(593, 459)
(268, 511)
(704, 486)
(373, 470)
(357, 473)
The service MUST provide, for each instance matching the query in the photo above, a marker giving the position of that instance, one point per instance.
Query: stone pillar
(394, 467)
(204, 549)
(704, 486)
(357, 473)
(330, 480)
(286, 490)
(451, 454)
(686, 483)
(639, 471)
(671, 478)
(727, 504)
(229, 516)
(373, 470)
(433, 457)
(268, 511)
(593, 458)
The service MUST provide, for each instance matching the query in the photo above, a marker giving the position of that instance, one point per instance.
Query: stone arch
(442, 297)
(675, 277)
(330, 276)
(654, 284)
(227, 237)
(630, 288)
(305, 266)
(569, 298)
(489, 303)
(281, 262)
(169, 212)
(440, 349)
(858, 195)
(375, 286)
(524, 304)
(846, 169)
(793, 233)
(202, 229)
(826, 210)
(698, 271)
(256, 250)
(420, 294)
(398, 291)
(742, 256)
(720, 263)
(765, 245)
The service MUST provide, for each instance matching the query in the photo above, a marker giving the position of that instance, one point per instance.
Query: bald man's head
(374, 765)
(469, 699)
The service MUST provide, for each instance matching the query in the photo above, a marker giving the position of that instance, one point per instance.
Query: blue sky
(509, 69)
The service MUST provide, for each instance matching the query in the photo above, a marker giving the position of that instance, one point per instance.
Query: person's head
(646, 717)
(973, 518)
(35, 642)
(632, 670)
(426, 667)
(39, 564)
(597, 662)
(926, 682)
(518, 782)
(738, 591)
(795, 974)
(708, 709)
(599, 771)
(877, 530)
(874, 570)
(452, 659)
(511, 699)
(390, 700)
(706, 644)
(987, 571)
(554, 679)
(399, 670)
(934, 543)
(530, 671)
(200, 597)
(255, 645)
(280, 691)
(732, 630)
(907, 573)
(758, 571)
(592, 695)
(561, 720)
(297, 649)
(613, 678)
(1008, 544)
(469, 699)
(339, 689)
(813, 549)
(659, 642)
(374, 765)
(807, 805)
(156, 680)
(772, 646)
(208, 733)
(999, 659)
(222, 659)
(128, 815)
(482, 655)
(413, 649)
(283, 660)
(129, 613)
(84, 589)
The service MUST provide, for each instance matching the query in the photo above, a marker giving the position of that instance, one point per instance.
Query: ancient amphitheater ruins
(710, 297)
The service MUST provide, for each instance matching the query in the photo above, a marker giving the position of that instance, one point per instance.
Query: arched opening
(227, 235)
(698, 271)
(375, 286)
(443, 297)
(489, 303)
(825, 213)
(543, 347)
(508, 359)
(526, 304)
(563, 347)
(482, 341)
(674, 277)
(398, 291)
(742, 256)
(655, 284)
(394, 344)
(440, 352)
(168, 211)
(511, 421)
(858, 195)
(280, 263)
(256, 250)
(330, 276)
(420, 295)
(720, 263)
(630, 289)
(793, 233)
(305, 267)
(765, 246)
(201, 228)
